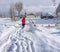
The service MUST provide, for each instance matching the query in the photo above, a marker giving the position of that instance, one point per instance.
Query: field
(41, 36)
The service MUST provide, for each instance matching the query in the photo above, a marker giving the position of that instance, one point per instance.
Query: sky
(39, 2)
(30, 4)
(39, 5)
(4, 3)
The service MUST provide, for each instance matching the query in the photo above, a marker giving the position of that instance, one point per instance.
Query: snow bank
(5, 35)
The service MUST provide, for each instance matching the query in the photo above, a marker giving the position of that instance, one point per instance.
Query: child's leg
(23, 26)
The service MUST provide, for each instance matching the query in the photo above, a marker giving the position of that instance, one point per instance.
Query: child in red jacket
(23, 21)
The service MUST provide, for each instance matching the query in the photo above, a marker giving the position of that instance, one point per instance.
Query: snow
(32, 38)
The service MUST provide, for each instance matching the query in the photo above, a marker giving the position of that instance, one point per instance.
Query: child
(23, 21)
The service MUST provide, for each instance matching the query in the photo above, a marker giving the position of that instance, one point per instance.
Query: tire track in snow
(23, 45)
(27, 45)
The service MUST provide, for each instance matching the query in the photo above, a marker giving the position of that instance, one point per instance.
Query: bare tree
(1, 15)
(19, 7)
(12, 12)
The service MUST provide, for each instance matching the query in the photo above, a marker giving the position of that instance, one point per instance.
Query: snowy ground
(39, 38)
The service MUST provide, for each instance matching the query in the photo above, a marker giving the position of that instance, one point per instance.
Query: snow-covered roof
(44, 9)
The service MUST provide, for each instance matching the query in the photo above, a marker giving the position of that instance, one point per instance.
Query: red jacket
(23, 20)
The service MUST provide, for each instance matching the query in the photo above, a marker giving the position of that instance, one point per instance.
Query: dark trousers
(23, 25)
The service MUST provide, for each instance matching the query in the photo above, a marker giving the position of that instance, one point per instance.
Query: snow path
(35, 39)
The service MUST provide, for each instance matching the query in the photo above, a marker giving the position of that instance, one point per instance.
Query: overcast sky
(29, 2)
(39, 2)
(4, 4)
